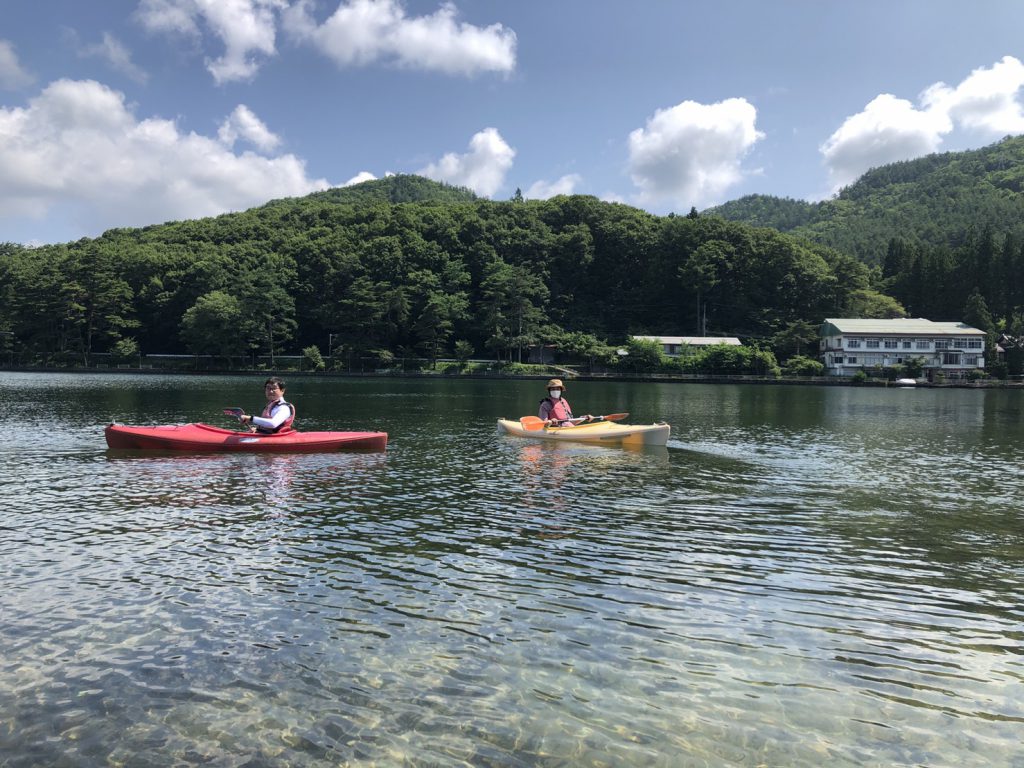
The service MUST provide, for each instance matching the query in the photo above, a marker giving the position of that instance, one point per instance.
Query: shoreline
(652, 378)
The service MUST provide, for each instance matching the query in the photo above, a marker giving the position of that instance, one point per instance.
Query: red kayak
(203, 438)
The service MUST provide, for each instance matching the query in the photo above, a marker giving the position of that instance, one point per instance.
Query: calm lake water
(804, 577)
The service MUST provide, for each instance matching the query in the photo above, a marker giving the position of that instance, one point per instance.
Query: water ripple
(764, 591)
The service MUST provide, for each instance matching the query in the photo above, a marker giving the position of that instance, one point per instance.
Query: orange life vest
(269, 411)
(560, 409)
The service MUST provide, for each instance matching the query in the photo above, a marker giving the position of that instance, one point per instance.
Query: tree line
(355, 277)
(981, 282)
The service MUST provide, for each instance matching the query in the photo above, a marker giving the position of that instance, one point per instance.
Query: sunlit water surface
(804, 577)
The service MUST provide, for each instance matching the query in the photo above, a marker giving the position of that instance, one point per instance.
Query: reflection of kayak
(603, 432)
(203, 437)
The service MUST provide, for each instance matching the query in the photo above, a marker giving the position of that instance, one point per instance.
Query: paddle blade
(236, 412)
(532, 423)
(615, 417)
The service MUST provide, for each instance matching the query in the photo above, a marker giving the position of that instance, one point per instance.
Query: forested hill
(939, 200)
(399, 188)
(363, 273)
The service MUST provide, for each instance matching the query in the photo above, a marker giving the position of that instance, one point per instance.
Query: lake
(805, 576)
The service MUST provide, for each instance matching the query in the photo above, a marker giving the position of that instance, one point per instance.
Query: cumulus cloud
(77, 146)
(359, 178)
(542, 190)
(12, 76)
(111, 50)
(242, 123)
(362, 32)
(890, 129)
(247, 28)
(985, 100)
(482, 168)
(690, 154)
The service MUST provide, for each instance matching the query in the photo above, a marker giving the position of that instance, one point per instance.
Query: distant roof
(905, 325)
(695, 341)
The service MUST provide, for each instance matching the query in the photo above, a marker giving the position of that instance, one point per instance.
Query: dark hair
(275, 380)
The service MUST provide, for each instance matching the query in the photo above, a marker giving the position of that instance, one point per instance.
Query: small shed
(674, 346)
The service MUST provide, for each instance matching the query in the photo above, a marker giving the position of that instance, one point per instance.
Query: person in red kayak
(277, 416)
(555, 409)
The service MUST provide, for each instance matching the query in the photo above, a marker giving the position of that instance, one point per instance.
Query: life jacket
(269, 411)
(560, 409)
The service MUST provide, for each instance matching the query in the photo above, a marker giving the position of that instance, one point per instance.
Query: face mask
(555, 393)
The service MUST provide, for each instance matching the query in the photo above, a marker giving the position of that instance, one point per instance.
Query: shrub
(801, 365)
(859, 377)
(645, 356)
(311, 357)
(125, 350)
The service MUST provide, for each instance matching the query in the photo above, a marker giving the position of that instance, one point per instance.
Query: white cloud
(542, 190)
(890, 129)
(169, 16)
(242, 123)
(247, 28)
(77, 147)
(362, 32)
(117, 55)
(985, 100)
(359, 178)
(482, 168)
(12, 76)
(690, 154)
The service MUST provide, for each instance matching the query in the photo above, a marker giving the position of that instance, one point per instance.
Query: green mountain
(938, 200)
(353, 273)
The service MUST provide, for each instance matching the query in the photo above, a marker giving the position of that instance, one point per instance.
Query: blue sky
(135, 112)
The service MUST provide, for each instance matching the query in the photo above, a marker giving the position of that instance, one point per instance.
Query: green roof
(906, 326)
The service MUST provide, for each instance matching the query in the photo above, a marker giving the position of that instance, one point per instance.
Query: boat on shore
(203, 438)
(599, 432)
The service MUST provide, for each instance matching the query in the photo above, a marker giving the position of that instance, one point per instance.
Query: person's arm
(276, 419)
(545, 410)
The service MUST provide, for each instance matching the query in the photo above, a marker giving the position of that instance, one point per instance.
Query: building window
(941, 344)
(951, 358)
(891, 343)
(872, 344)
(971, 360)
(922, 344)
(974, 343)
(853, 343)
(907, 343)
(851, 360)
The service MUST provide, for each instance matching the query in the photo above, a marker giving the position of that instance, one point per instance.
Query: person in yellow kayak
(555, 410)
(278, 414)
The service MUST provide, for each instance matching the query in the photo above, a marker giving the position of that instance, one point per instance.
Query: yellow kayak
(602, 432)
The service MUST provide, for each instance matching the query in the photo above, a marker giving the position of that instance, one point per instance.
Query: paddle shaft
(533, 423)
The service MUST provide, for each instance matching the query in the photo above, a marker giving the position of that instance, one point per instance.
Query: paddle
(533, 423)
(238, 413)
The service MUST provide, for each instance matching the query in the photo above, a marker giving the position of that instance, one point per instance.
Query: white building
(673, 346)
(849, 345)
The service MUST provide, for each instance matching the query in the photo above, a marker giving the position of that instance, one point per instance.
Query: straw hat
(556, 384)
